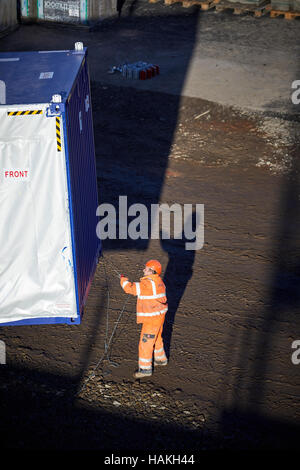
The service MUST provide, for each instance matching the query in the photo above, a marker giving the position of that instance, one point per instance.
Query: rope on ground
(106, 343)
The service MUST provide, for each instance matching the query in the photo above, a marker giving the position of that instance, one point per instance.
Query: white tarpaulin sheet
(36, 264)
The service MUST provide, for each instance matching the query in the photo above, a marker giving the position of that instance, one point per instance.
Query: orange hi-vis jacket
(151, 297)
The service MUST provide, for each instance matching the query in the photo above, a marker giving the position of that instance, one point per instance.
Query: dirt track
(233, 315)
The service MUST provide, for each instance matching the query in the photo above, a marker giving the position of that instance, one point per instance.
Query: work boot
(142, 373)
(160, 363)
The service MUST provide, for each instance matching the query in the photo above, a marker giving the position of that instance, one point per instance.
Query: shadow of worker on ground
(176, 278)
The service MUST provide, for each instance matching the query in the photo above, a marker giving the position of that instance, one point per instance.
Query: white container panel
(36, 264)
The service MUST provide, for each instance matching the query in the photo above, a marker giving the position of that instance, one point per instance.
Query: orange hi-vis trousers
(151, 342)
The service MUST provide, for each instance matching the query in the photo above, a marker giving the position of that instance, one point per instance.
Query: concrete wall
(286, 5)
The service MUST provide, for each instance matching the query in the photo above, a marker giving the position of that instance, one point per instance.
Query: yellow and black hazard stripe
(58, 136)
(25, 113)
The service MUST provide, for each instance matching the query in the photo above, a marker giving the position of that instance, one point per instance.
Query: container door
(36, 266)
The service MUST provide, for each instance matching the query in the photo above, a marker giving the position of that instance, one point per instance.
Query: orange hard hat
(154, 265)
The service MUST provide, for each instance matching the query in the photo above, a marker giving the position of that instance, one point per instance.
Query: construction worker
(151, 309)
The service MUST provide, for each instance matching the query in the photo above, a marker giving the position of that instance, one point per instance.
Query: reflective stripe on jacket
(151, 296)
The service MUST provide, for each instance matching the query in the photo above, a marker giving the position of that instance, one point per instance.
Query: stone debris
(282, 138)
(143, 400)
(212, 138)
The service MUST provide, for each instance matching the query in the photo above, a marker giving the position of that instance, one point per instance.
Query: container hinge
(56, 107)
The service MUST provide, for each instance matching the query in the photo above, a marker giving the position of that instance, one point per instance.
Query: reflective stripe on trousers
(151, 342)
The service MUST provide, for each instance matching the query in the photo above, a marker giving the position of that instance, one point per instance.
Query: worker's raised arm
(129, 287)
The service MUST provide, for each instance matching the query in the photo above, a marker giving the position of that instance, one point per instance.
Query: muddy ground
(233, 305)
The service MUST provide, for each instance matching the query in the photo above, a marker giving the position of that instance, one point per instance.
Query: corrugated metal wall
(8, 15)
(82, 170)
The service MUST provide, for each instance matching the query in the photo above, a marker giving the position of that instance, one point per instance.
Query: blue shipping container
(49, 248)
